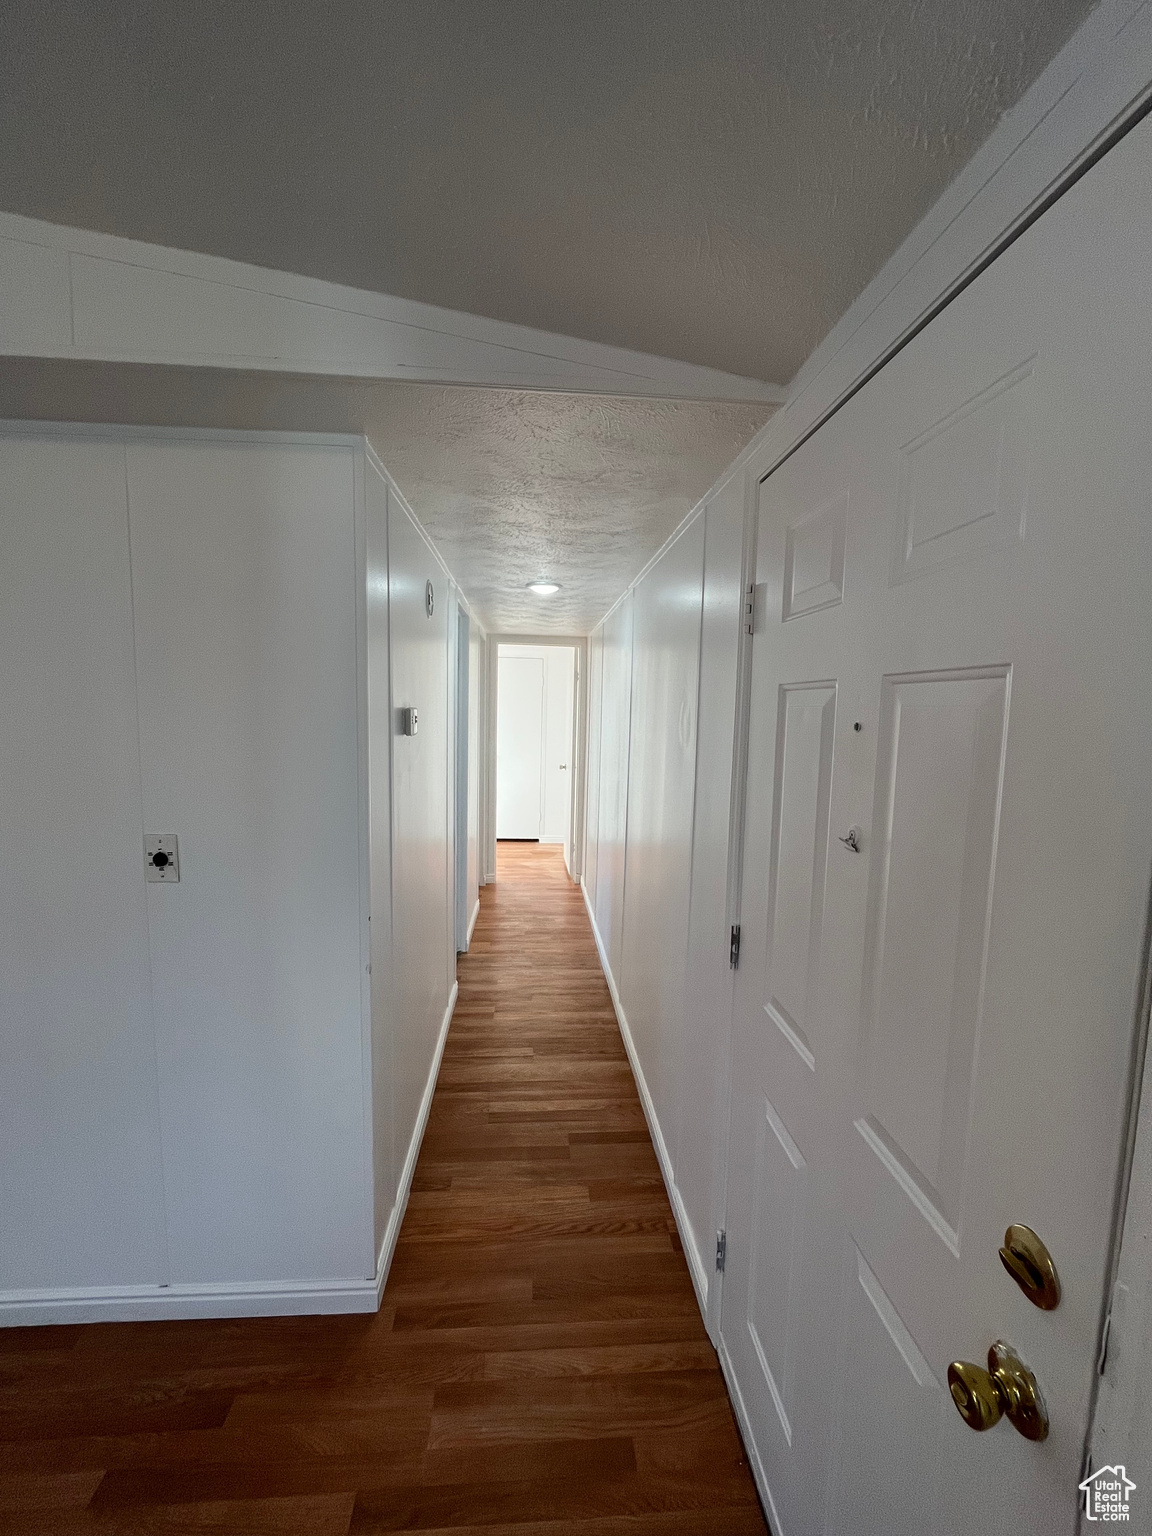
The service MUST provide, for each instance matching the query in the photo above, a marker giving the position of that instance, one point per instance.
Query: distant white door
(946, 873)
(520, 747)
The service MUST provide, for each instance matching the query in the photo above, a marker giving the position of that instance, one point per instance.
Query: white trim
(132, 1304)
(77, 293)
(1122, 1412)
(696, 1266)
(472, 919)
(125, 432)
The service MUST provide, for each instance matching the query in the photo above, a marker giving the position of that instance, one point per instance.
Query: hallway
(539, 1364)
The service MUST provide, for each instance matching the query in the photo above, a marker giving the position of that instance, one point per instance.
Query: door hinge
(750, 609)
(721, 1250)
(734, 947)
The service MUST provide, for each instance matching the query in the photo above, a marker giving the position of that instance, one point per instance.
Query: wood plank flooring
(538, 1368)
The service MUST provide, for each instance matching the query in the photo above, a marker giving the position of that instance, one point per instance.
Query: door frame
(461, 655)
(1126, 1315)
(579, 644)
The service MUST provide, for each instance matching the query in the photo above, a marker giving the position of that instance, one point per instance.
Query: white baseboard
(139, 1304)
(696, 1266)
(472, 919)
(404, 1185)
(134, 1304)
(742, 1419)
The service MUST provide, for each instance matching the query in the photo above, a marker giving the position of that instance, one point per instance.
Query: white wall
(243, 574)
(477, 673)
(558, 757)
(80, 1188)
(595, 666)
(661, 782)
(212, 1091)
(381, 725)
(699, 1131)
(662, 712)
(423, 928)
(612, 805)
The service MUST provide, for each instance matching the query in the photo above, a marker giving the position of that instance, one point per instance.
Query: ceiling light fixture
(543, 587)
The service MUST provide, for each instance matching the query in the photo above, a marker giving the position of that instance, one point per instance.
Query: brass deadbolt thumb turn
(1028, 1261)
(1006, 1389)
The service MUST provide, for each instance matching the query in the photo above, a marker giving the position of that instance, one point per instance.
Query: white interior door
(519, 747)
(932, 1033)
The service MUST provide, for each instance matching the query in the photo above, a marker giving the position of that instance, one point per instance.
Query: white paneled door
(946, 871)
(520, 747)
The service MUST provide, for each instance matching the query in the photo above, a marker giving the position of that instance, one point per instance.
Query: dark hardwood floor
(539, 1366)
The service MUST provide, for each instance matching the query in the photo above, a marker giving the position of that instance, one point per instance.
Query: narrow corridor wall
(661, 732)
(212, 1090)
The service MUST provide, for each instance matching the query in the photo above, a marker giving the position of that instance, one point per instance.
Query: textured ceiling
(509, 485)
(711, 180)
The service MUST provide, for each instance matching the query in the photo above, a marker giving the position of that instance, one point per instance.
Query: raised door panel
(942, 743)
(890, 1407)
(806, 723)
(964, 480)
(79, 1141)
(244, 576)
(814, 559)
(781, 1204)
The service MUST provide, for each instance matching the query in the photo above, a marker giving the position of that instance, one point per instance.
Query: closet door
(79, 1148)
(945, 894)
(244, 574)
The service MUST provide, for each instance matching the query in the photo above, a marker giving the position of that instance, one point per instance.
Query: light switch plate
(162, 856)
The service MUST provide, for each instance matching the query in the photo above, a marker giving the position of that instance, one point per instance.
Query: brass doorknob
(1006, 1389)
